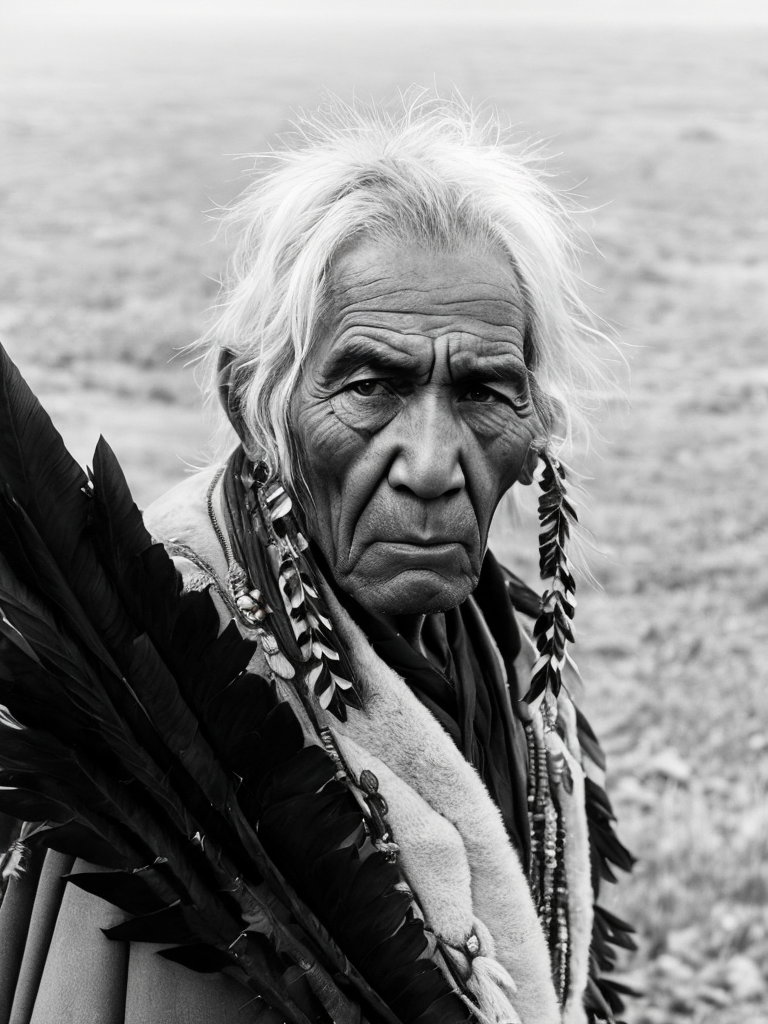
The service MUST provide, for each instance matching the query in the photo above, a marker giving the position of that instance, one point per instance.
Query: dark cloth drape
(57, 967)
(459, 679)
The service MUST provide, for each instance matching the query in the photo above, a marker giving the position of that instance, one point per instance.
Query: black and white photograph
(383, 512)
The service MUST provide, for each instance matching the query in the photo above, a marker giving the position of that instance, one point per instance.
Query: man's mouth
(420, 540)
(423, 553)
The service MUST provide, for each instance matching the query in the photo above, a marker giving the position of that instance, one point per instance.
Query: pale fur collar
(402, 734)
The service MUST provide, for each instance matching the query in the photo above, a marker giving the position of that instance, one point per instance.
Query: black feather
(126, 890)
(171, 924)
(30, 804)
(29, 558)
(32, 453)
(417, 989)
(604, 996)
(197, 957)
(444, 1008)
(588, 741)
(75, 840)
(206, 660)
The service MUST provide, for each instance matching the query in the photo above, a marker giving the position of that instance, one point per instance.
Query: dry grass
(113, 148)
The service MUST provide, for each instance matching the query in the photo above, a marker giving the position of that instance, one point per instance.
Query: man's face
(413, 417)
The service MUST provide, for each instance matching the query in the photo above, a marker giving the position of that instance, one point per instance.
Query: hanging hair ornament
(325, 669)
(553, 626)
(262, 540)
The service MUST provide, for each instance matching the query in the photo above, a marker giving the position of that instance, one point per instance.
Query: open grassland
(113, 147)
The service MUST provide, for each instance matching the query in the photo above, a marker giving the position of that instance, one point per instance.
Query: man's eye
(365, 387)
(479, 394)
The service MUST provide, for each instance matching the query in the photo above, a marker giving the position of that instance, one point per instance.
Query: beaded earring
(553, 627)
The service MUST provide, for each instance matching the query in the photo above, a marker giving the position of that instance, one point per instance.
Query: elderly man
(398, 343)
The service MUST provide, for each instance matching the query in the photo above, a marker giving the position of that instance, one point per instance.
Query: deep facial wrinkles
(441, 350)
(407, 473)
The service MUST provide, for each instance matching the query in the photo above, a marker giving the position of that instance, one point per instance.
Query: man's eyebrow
(489, 366)
(355, 353)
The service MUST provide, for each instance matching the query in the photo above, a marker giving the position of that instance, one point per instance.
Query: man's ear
(223, 376)
(529, 466)
(226, 372)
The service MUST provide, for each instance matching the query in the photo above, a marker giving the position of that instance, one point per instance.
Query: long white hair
(433, 171)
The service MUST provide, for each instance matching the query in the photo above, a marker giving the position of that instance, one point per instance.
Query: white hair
(436, 172)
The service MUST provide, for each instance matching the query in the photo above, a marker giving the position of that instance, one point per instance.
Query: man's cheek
(494, 470)
(326, 441)
(366, 415)
(507, 453)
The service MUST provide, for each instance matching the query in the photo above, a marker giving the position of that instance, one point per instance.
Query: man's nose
(428, 451)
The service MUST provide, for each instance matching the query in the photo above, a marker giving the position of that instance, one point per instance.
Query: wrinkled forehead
(408, 289)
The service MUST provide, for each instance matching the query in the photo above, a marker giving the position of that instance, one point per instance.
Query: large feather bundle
(133, 734)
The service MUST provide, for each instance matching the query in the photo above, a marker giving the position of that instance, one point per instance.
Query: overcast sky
(608, 12)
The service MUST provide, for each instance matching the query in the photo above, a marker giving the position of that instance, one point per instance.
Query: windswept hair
(435, 172)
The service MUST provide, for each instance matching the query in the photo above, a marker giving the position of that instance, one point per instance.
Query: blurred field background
(116, 142)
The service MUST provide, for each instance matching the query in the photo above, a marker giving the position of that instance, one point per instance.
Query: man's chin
(414, 592)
